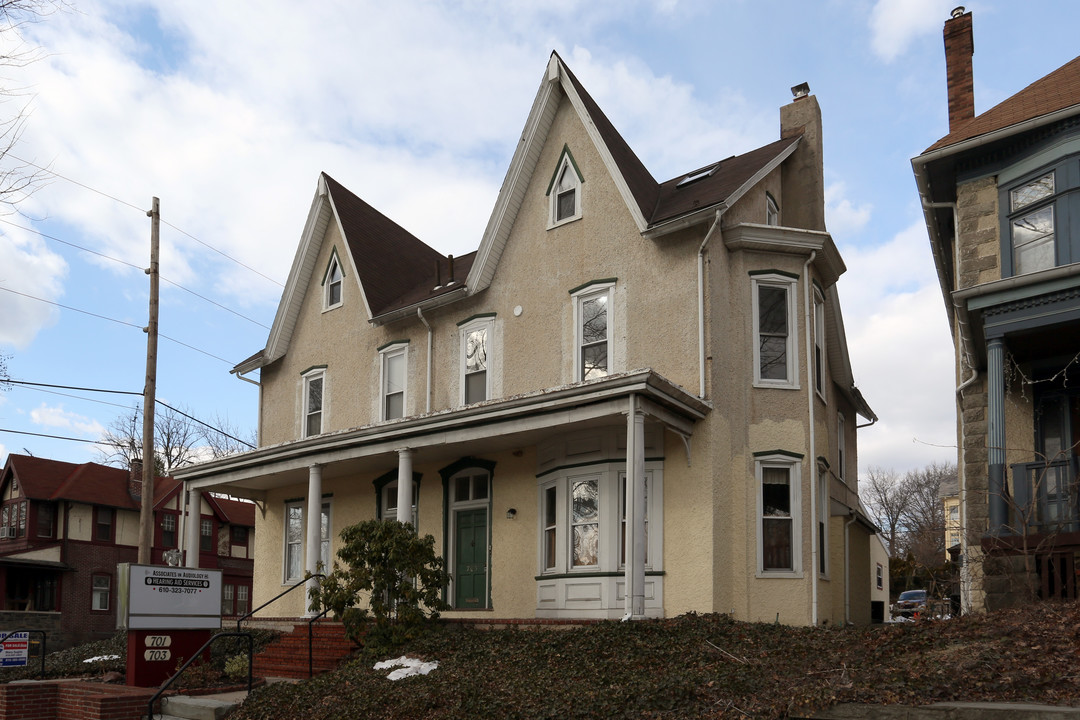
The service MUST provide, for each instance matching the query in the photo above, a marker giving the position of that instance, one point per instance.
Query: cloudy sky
(228, 111)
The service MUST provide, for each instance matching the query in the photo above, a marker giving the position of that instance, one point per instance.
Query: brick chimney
(959, 47)
(135, 480)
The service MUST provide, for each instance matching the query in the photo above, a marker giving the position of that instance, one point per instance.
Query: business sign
(170, 597)
(14, 649)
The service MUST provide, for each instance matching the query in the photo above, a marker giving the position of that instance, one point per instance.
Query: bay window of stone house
(1037, 213)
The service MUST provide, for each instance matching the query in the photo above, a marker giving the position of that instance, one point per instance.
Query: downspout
(814, 549)
(847, 568)
(427, 398)
(701, 298)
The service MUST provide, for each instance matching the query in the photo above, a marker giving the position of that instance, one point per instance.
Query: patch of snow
(101, 657)
(406, 667)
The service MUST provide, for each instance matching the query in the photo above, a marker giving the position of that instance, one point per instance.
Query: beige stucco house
(998, 192)
(633, 399)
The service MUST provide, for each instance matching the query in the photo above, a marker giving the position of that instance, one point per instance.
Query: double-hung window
(168, 531)
(476, 358)
(1039, 210)
(393, 380)
(314, 401)
(585, 522)
(564, 192)
(775, 334)
(592, 329)
(819, 343)
(779, 514)
(387, 499)
(46, 519)
(103, 524)
(332, 284)
(206, 535)
(101, 586)
(1031, 225)
(294, 540)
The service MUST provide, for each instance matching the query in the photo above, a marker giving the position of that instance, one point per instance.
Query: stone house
(633, 399)
(999, 193)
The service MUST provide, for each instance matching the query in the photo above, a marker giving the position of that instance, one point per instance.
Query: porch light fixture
(511, 513)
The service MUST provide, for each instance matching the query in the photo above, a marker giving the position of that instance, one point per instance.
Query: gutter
(429, 303)
(815, 550)
(847, 567)
(701, 296)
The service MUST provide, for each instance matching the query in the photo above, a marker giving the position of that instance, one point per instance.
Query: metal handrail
(195, 656)
(310, 671)
(281, 594)
(28, 631)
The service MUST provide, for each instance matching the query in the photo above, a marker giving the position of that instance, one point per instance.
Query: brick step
(288, 655)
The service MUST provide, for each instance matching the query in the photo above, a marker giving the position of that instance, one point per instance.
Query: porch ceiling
(480, 429)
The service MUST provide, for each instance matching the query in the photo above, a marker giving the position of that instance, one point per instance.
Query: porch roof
(478, 429)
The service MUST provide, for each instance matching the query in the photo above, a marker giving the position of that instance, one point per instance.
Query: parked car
(910, 602)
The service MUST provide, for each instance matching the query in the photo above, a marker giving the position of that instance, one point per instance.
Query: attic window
(564, 191)
(697, 175)
(332, 284)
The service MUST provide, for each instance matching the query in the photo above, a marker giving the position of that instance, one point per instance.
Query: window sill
(779, 575)
(565, 221)
(765, 385)
(593, 574)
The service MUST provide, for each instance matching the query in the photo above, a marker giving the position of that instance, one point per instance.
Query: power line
(118, 322)
(54, 437)
(142, 210)
(125, 392)
(132, 265)
(76, 397)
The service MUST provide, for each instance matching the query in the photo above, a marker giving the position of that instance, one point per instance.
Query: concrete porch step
(195, 708)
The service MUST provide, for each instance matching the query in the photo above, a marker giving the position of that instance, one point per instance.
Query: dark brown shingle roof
(1056, 91)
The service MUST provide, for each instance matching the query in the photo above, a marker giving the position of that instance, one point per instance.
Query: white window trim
(385, 354)
(97, 593)
(593, 290)
(788, 284)
(285, 579)
(841, 447)
(819, 345)
(334, 261)
(488, 324)
(389, 490)
(565, 165)
(823, 520)
(772, 210)
(794, 466)
(609, 477)
(306, 380)
(327, 509)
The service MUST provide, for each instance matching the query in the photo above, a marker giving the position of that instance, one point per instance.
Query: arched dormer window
(564, 191)
(332, 283)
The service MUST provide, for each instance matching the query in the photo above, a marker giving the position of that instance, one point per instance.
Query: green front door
(470, 560)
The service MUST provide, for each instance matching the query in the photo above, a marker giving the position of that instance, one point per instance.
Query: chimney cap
(800, 91)
(957, 11)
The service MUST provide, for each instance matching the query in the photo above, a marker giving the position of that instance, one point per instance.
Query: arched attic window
(564, 191)
(332, 283)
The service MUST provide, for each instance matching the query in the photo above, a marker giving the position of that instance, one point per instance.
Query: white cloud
(29, 268)
(58, 417)
(842, 216)
(901, 352)
(895, 24)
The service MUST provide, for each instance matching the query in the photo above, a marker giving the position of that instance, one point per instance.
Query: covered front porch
(548, 504)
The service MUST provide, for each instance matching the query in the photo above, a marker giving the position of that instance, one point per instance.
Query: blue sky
(228, 111)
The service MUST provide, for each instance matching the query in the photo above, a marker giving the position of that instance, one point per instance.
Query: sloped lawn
(700, 666)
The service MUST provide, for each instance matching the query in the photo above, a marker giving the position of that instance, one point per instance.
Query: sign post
(169, 613)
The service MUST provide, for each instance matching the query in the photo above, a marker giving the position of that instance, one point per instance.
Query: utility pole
(146, 514)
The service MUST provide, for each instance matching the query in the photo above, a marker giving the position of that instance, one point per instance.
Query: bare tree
(19, 178)
(176, 437)
(4, 373)
(222, 437)
(887, 497)
(924, 519)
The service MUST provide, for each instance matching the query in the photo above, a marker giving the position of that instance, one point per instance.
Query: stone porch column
(995, 434)
(314, 532)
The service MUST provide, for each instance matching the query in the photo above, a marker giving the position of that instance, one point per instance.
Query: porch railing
(1044, 497)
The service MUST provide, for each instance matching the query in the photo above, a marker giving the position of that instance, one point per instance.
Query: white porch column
(194, 523)
(635, 511)
(314, 530)
(404, 486)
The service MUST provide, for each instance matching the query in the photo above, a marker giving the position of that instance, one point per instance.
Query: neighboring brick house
(1001, 199)
(634, 399)
(64, 527)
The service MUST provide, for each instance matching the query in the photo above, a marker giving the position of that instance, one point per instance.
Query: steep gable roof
(1057, 91)
(90, 483)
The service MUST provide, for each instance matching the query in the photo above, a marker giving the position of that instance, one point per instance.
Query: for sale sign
(14, 648)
